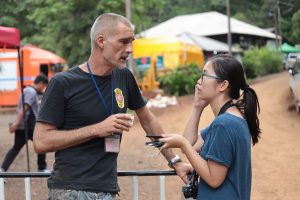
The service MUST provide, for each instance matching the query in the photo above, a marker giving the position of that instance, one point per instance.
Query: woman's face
(209, 83)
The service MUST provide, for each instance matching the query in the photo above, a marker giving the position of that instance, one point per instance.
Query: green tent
(286, 48)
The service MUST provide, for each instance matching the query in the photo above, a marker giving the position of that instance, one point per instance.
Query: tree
(295, 37)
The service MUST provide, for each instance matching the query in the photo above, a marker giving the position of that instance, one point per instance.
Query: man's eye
(125, 41)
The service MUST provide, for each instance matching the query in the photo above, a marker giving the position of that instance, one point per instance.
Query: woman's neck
(217, 104)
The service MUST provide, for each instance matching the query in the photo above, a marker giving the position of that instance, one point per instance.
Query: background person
(224, 164)
(82, 116)
(31, 107)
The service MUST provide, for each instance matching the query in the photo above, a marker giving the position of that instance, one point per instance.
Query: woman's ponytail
(251, 110)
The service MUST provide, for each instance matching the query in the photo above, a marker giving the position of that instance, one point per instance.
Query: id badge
(112, 144)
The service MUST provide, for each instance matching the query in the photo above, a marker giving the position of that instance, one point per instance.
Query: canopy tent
(286, 48)
(9, 37)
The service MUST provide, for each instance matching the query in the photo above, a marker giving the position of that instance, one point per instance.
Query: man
(17, 127)
(82, 116)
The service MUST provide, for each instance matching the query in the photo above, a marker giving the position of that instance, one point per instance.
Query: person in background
(83, 116)
(17, 127)
(224, 163)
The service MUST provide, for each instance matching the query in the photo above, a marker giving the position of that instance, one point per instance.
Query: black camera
(191, 189)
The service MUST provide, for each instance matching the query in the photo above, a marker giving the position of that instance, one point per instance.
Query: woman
(224, 164)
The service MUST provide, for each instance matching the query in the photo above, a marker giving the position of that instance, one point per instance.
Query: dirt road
(275, 159)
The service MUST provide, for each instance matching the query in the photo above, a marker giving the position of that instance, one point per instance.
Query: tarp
(286, 48)
(42, 55)
(9, 37)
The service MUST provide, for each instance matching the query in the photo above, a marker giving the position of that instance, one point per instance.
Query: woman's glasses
(210, 76)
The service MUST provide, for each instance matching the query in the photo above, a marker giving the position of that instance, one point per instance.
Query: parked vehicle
(295, 82)
(291, 59)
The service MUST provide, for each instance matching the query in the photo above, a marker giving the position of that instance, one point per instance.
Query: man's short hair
(105, 24)
(41, 78)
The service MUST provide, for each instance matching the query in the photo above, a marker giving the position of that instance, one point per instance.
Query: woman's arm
(210, 171)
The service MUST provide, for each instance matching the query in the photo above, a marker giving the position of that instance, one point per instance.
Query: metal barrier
(134, 174)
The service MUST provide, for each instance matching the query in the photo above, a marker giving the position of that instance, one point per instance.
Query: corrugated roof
(204, 24)
(207, 44)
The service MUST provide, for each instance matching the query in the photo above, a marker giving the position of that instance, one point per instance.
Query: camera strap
(227, 105)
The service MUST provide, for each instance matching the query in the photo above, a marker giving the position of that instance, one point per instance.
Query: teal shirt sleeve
(218, 145)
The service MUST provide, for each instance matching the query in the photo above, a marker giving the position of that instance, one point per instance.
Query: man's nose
(129, 48)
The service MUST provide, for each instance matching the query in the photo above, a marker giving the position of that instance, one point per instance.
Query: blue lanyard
(99, 92)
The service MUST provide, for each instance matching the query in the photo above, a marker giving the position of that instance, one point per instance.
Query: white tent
(204, 24)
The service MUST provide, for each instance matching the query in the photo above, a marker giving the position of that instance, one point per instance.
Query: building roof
(204, 24)
(207, 44)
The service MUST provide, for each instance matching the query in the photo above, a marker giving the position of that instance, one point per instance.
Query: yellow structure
(153, 56)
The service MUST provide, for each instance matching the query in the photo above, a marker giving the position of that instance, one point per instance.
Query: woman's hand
(173, 141)
(199, 102)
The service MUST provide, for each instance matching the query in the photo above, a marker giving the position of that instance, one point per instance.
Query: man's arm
(47, 138)
(13, 127)
(151, 126)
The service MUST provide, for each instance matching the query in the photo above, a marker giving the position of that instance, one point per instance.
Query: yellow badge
(119, 97)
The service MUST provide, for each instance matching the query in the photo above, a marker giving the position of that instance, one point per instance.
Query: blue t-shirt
(227, 141)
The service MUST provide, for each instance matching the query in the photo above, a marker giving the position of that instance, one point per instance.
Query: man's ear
(100, 41)
(224, 85)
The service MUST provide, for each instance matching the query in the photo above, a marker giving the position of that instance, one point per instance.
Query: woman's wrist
(185, 146)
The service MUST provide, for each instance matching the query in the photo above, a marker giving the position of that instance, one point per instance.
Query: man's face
(118, 46)
(41, 87)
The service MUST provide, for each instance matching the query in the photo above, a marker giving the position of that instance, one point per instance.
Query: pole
(23, 105)
(229, 41)
(279, 24)
(276, 17)
(128, 16)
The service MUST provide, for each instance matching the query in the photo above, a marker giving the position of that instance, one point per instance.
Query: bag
(30, 118)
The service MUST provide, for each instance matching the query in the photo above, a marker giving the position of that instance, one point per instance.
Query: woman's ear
(224, 85)
(100, 41)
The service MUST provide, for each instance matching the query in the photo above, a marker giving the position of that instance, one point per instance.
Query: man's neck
(97, 67)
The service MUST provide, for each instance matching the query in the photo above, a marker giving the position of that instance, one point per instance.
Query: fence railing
(133, 174)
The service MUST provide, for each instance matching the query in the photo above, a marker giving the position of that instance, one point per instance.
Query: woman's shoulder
(230, 118)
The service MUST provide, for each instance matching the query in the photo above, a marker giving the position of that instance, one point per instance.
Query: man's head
(111, 39)
(40, 83)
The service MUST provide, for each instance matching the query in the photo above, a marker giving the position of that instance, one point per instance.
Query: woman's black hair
(230, 69)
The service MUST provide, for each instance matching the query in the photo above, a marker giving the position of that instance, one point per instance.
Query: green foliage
(261, 61)
(180, 81)
(63, 26)
(296, 27)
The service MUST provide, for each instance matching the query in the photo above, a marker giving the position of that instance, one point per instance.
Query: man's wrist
(173, 161)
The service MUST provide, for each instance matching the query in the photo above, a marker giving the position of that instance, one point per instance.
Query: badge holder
(112, 143)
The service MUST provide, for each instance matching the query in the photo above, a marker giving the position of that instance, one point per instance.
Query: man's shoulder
(30, 90)
(68, 74)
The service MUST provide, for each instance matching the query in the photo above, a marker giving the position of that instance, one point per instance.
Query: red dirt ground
(275, 159)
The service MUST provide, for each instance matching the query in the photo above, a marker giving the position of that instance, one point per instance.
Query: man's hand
(12, 127)
(116, 123)
(182, 170)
